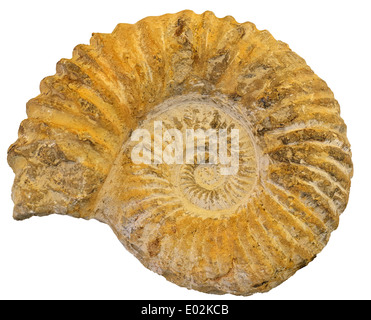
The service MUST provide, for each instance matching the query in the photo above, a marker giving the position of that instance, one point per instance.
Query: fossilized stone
(240, 233)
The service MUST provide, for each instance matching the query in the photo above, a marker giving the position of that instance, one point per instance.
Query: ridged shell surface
(240, 233)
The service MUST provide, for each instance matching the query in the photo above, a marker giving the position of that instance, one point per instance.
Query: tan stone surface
(237, 234)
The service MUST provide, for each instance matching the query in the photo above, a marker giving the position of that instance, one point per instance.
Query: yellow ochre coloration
(240, 234)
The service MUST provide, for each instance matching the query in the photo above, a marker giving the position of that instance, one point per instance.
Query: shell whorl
(240, 233)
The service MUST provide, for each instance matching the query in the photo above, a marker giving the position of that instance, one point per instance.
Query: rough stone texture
(236, 234)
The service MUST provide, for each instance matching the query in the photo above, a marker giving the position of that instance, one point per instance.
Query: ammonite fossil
(242, 230)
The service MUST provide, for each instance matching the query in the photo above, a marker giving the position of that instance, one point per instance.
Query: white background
(58, 257)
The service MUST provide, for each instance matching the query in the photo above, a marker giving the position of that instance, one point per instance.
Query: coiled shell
(240, 233)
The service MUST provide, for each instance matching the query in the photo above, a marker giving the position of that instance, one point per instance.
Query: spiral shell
(240, 233)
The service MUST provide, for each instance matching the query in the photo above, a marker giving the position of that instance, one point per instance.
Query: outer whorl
(238, 233)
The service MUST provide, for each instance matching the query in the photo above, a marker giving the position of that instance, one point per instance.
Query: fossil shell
(241, 233)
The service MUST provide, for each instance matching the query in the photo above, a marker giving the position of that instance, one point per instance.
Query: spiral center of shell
(208, 176)
(201, 148)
